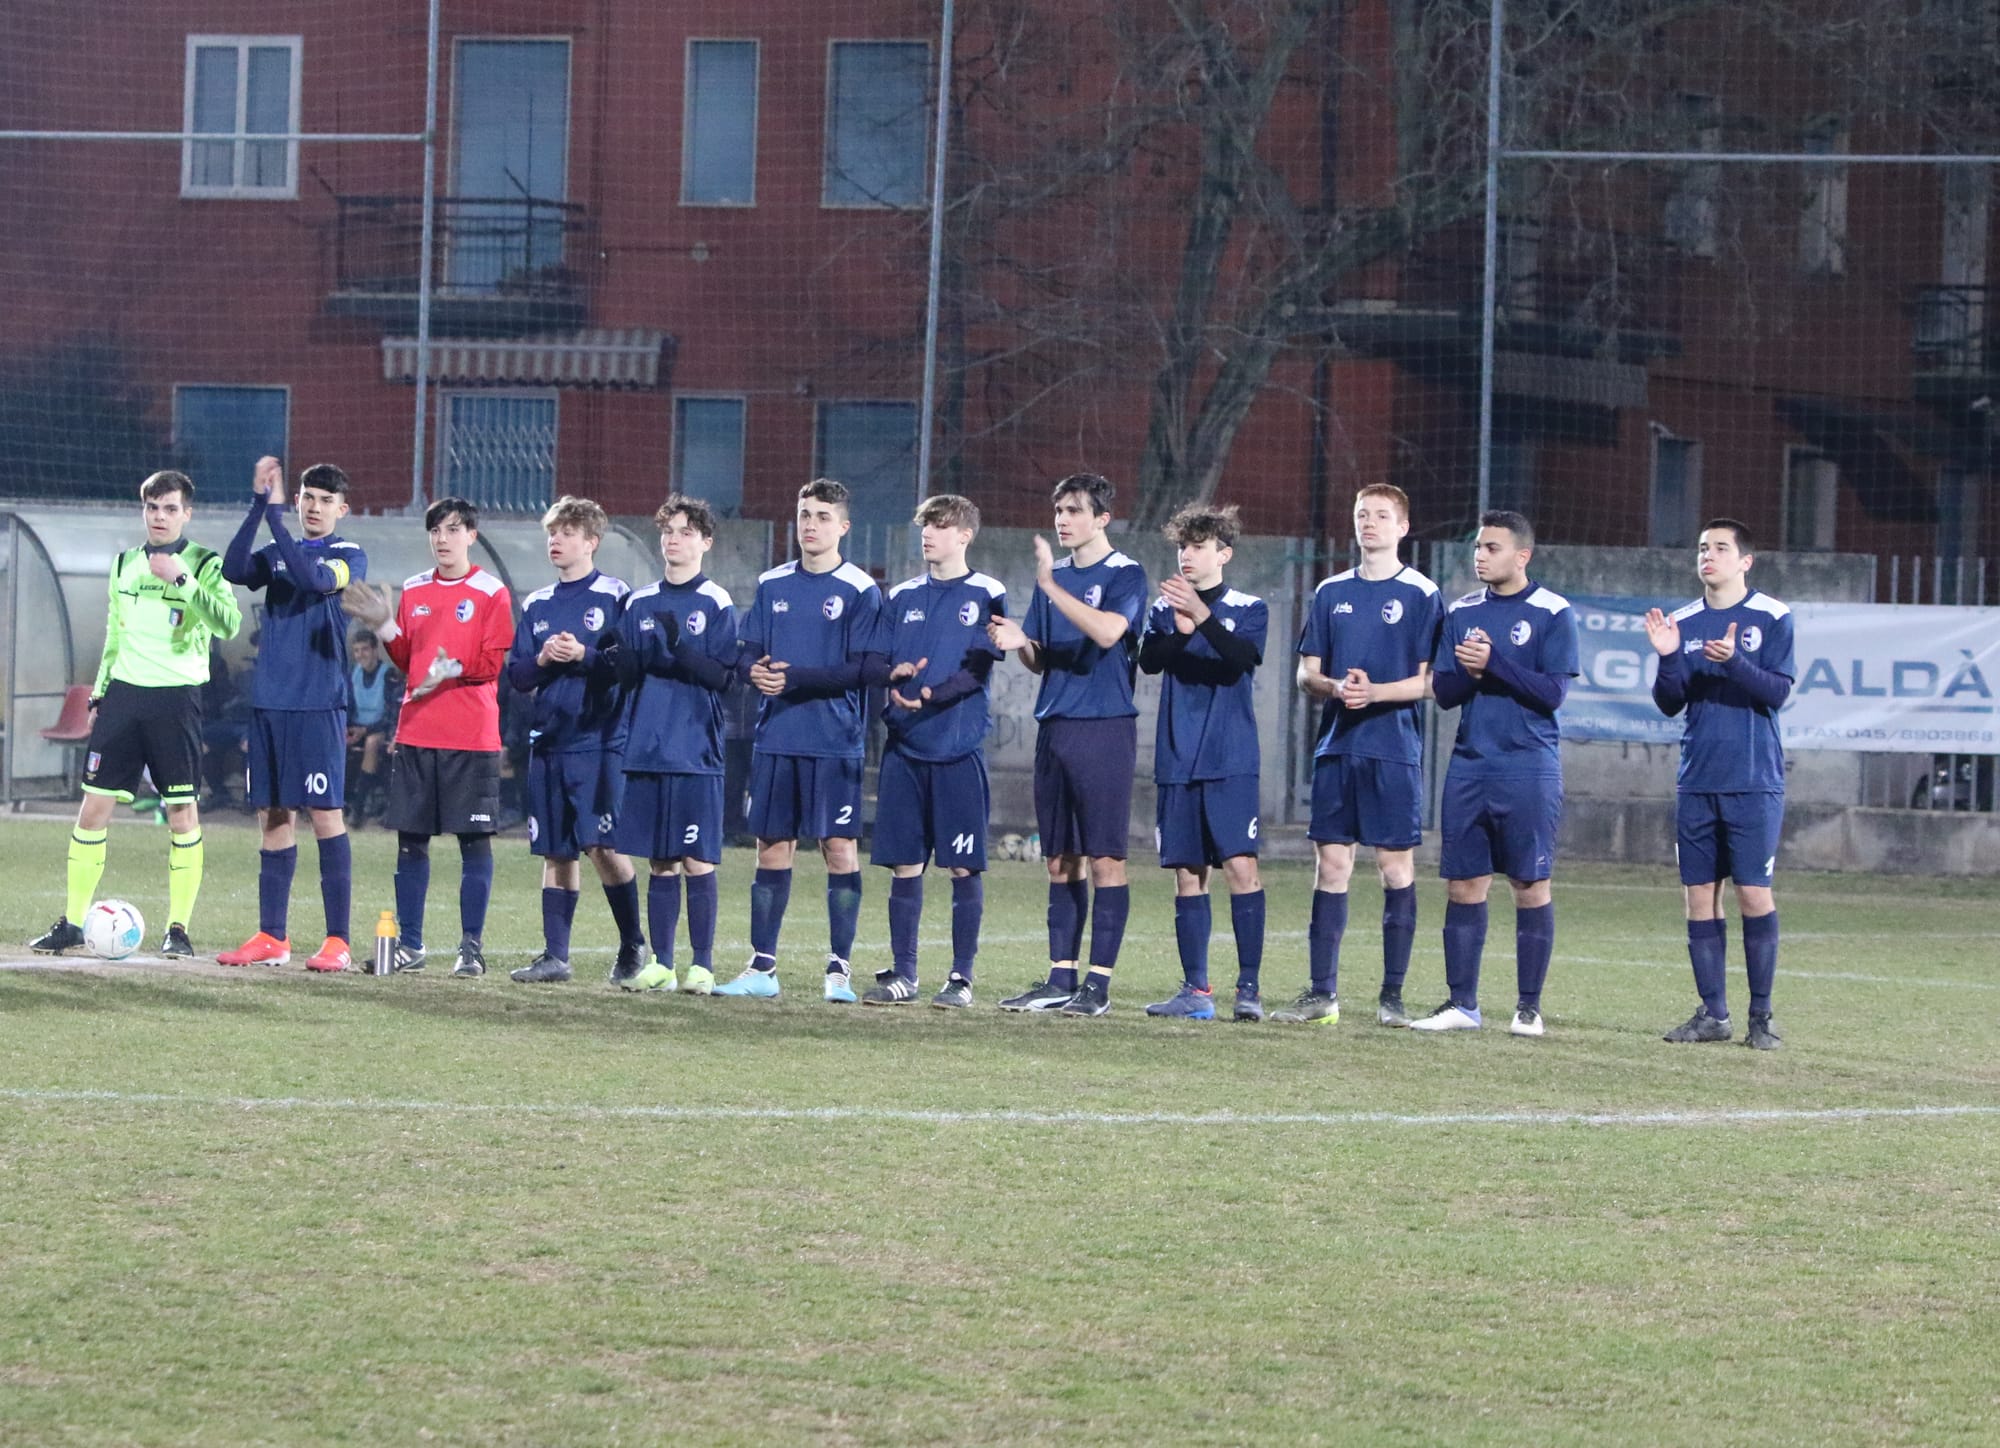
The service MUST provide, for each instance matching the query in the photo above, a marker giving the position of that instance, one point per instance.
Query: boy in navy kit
(802, 646)
(297, 751)
(1207, 639)
(931, 802)
(1081, 634)
(448, 633)
(562, 654)
(1727, 659)
(677, 652)
(1505, 661)
(1366, 650)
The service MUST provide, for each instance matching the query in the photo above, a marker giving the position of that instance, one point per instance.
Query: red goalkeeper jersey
(472, 620)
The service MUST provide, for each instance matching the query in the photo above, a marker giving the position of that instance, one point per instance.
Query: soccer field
(255, 1206)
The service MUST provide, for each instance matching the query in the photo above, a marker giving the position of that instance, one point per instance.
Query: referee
(168, 599)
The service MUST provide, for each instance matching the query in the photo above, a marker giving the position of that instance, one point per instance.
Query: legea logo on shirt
(422, 610)
(593, 619)
(968, 613)
(541, 625)
(915, 615)
(834, 607)
(1752, 639)
(695, 624)
(1392, 611)
(1343, 608)
(1092, 594)
(463, 613)
(1520, 633)
(780, 605)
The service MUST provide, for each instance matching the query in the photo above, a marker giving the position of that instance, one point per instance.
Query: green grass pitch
(258, 1207)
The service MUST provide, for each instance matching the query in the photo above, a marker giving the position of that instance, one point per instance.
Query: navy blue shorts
(671, 817)
(1499, 826)
(573, 801)
(1728, 837)
(1084, 771)
(1373, 802)
(297, 758)
(926, 811)
(1206, 822)
(804, 797)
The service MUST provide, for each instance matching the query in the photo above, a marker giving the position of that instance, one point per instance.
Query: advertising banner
(1895, 678)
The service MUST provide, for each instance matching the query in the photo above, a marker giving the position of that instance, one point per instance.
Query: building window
(1823, 219)
(1812, 498)
(1691, 220)
(220, 432)
(240, 88)
(877, 123)
(719, 134)
(509, 166)
(498, 450)
(1676, 509)
(871, 447)
(708, 451)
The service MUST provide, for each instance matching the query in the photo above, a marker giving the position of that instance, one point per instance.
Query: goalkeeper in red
(1726, 659)
(449, 635)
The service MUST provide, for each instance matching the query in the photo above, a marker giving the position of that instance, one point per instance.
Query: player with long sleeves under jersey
(1726, 660)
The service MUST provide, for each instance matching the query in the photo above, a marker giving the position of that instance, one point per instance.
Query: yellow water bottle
(383, 962)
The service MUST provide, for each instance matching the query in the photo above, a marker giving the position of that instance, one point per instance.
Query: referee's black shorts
(443, 791)
(141, 731)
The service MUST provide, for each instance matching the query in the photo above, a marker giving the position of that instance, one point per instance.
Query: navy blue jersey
(1388, 629)
(812, 621)
(576, 704)
(1500, 731)
(674, 709)
(302, 651)
(943, 621)
(1207, 726)
(1079, 679)
(1731, 745)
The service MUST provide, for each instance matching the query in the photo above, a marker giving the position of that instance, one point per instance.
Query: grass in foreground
(519, 1252)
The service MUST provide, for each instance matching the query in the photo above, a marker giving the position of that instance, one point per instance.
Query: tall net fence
(1234, 250)
(1623, 266)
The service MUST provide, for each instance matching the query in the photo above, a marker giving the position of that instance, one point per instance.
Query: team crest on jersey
(1392, 611)
(834, 607)
(968, 613)
(1092, 594)
(1521, 632)
(1753, 639)
(914, 615)
(1229, 625)
(694, 624)
(463, 613)
(593, 619)
(90, 765)
(606, 824)
(174, 617)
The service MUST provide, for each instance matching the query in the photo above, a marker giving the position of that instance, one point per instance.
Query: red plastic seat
(72, 726)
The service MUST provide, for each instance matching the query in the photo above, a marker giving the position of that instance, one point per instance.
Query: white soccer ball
(112, 929)
(1010, 847)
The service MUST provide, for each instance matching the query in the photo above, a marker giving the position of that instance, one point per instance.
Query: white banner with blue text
(1897, 678)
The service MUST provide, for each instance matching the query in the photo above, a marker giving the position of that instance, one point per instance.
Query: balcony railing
(498, 264)
(1572, 289)
(1953, 333)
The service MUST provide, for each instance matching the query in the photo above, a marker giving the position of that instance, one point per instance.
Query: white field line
(1111, 1119)
(1784, 973)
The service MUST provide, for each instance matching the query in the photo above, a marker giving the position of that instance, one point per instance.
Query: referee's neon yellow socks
(183, 876)
(86, 868)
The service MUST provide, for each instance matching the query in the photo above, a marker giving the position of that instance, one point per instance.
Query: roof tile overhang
(595, 357)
